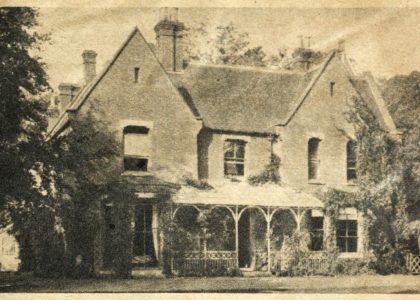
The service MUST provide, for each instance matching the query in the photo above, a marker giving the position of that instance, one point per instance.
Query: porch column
(268, 221)
(170, 239)
(236, 218)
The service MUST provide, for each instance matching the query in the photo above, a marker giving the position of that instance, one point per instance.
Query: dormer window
(234, 157)
(351, 160)
(137, 148)
(313, 160)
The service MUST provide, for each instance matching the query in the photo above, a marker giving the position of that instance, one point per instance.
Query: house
(9, 252)
(222, 124)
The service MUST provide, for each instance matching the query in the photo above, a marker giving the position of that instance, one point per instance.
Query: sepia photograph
(194, 147)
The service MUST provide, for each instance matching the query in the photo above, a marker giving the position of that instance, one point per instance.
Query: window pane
(313, 148)
(230, 169)
(352, 228)
(352, 244)
(351, 151)
(317, 241)
(351, 174)
(240, 150)
(313, 169)
(135, 164)
(341, 228)
(234, 169)
(240, 169)
(229, 150)
(341, 244)
(317, 223)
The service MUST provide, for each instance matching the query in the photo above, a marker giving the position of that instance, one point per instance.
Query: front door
(244, 243)
(144, 254)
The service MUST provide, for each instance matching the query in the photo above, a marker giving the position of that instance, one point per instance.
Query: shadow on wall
(203, 142)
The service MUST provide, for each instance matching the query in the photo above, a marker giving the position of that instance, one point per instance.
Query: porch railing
(413, 263)
(210, 263)
(222, 263)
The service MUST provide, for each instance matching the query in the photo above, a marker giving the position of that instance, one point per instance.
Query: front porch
(256, 220)
(230, 230)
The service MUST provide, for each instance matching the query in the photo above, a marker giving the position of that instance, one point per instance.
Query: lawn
(10, 282)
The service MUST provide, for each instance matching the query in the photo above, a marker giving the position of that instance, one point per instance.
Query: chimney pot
(67, 92)
(169, 45)
(89, 62)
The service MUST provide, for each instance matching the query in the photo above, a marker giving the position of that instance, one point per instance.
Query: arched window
(313, 161)
(351, 160)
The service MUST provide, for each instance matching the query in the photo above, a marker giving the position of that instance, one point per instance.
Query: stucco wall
(154, 101)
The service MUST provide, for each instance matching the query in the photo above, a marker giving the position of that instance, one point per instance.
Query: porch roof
(244, 194)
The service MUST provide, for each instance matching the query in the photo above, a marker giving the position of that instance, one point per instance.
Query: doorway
(244, 245)
(144, 254)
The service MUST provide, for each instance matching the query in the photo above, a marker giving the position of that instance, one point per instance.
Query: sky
(385, 41)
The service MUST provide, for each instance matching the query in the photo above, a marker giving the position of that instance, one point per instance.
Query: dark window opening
(347, 235)
(109, 236)
(135, 164)
(136, 129)
(351, 160)
(317, 233)
(136, 74)
(234, 158)
(332, 83)
(313, 161)
(143, 246)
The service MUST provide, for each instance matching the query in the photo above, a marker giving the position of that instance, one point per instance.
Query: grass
(402, 284)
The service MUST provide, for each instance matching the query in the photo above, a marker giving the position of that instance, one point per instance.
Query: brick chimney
(89, 63)
(169, 46)
(67, 93)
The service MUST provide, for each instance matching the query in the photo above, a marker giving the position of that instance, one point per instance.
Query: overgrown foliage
(402, 95)
(86, 171)
(381, 196)
(270, 174)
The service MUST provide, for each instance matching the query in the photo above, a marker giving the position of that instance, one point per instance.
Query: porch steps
(247, 273)
(147, 273)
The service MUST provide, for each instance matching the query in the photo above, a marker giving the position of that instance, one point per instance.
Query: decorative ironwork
(413, 263)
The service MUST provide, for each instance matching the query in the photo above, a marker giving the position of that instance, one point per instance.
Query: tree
(86, 171)
(402, 95)
(381, 193)
(228, 46)
(22, 110)
(23, 123)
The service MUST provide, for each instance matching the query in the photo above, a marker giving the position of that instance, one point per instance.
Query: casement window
(346, 235)
(316, 233)
(137, 148)
(351, 160)
(313, 160)
(234, 157)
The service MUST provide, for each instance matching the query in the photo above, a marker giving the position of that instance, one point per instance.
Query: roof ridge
(252, 68)
(85, 90)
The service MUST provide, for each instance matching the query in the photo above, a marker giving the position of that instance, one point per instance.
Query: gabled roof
(87, 89)
(243, 99)
(369, 91)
